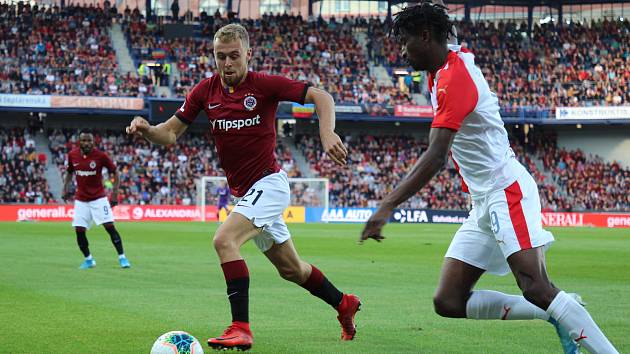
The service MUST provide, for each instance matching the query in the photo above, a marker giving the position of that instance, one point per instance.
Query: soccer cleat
(236, 336)
(88, 263)
(569, 346)
(124, 263)
(348, 307)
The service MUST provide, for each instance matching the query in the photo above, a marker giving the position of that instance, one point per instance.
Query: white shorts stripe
(489, 235)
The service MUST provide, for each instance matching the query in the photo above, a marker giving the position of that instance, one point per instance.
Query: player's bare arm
(429, 164)
(162, 134)
(325, 108)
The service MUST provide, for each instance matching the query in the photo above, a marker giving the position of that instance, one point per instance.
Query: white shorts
(500, 224)
(98, 211)
(263, 205)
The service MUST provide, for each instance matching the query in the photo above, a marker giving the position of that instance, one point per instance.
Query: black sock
(237, 280)
(82, 241)
(319, 286)
(116, 240)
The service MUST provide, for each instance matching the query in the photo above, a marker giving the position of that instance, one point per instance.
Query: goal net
(305, 192)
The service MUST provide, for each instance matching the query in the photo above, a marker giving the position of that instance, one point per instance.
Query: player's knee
(223, 243)
(539, 293)
(291, 274)
(449, 306)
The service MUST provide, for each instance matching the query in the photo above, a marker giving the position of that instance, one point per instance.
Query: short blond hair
(232, 32)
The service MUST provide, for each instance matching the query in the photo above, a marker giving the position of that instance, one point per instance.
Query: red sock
(237, 280)
(318, 285)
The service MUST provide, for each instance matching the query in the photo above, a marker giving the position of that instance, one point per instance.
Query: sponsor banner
(413, 111)
(349, 109)
(26, 101)
(97, 102)
(36, 212)
(295, 214)
(338, 214)
(162, 213)
(602, 112)
(26, 212)
(404, 216)
(585, 219)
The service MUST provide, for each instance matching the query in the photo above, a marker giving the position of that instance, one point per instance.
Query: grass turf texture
(175, 283)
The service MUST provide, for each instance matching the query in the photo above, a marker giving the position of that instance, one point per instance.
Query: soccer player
(91, 204)
(241, 107)
(504, 230)
(223, 192)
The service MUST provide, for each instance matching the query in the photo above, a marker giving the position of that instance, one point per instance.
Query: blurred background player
(91, 204)
(241, 108)
(223, 195)
(504, 230)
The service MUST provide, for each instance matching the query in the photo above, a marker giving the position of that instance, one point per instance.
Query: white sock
(121, 256)
(89, 258)
(493, 305)
(572, 316)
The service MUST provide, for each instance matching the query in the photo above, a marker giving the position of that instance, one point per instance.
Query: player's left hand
(374, 226)
(114, 200)
(334, 148)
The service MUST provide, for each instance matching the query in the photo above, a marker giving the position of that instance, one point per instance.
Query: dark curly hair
(423, 16)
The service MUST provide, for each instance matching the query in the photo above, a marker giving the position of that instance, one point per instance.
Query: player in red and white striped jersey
(504, 230)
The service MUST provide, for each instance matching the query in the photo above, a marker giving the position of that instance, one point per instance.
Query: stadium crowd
(63, 51)
(22, 169)
(376, 164)
(69, 52)
(572, 64)
(324, 53)
(568, 180)
(585, 182)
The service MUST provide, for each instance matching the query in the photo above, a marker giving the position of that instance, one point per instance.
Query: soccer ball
(176, 342)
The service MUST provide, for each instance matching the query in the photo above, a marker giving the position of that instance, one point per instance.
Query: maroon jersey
(243, 123)
(88, 170)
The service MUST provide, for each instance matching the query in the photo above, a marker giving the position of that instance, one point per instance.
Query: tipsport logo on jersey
(238, 124)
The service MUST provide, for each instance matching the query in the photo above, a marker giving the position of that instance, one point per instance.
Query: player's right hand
(374, 227)
(334, 147)
(138, 126)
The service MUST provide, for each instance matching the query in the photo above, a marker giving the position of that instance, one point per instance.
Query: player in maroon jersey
(241, 108)
(91, 204)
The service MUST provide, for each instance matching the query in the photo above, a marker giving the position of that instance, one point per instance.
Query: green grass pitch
(175, 283)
